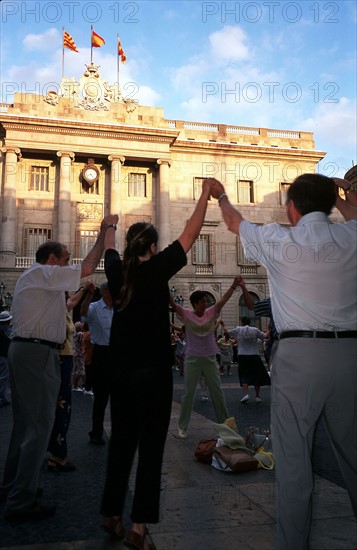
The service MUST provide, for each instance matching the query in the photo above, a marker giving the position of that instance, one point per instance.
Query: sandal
(137, 542)
(113, 526)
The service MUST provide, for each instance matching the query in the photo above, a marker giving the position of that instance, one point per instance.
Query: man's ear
(52, 259)
(153, 248)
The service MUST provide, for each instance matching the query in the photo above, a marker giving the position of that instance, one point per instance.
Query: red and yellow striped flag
(97, 41)
(68, 42)
(121, 51)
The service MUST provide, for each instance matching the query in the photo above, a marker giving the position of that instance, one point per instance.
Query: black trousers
(140, 403)
(101, 387)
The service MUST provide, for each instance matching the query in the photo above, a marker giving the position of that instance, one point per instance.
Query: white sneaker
(182, 433)
(258, 400)
(245, 399)
(88, 392)
(75, 388)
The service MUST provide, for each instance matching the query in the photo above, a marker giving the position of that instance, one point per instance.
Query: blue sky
(285, 65)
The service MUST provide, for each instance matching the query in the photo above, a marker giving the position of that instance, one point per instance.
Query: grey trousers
(194, 368)
(35, 382)
(311, 378)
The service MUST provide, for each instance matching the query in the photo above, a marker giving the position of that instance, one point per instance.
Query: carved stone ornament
(91, 93)
(52, 98)
(89, 212)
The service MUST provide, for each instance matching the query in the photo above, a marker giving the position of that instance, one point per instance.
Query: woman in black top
(141, 392)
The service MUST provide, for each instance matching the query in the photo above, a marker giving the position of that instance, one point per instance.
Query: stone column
(64, 197)
(115, 194)
(163, 199)
(8, 246)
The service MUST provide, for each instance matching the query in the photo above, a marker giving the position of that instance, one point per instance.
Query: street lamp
(8, 300)
(5, 299)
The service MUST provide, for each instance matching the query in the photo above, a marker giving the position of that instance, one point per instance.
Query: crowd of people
(312, 328)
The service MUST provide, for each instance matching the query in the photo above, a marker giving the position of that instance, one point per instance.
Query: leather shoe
(113, 526)
(34, 513)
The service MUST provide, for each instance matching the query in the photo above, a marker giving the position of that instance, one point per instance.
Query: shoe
(204, 398)
(75, 388)
(245, 399)
(96, 440)
(34, 513)
(258, 400)
(88, 392)
(53, 466)
(137, 542)
(113, 526)
(182, 433)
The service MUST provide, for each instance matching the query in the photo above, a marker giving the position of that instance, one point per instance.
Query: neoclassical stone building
(73, 155)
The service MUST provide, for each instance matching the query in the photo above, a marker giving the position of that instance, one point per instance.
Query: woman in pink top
(200, 356)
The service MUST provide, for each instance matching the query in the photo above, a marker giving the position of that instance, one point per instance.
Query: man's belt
(38, 341)
(318, 334)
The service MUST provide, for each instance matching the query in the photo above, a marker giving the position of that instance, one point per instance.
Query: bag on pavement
(237, 460)
(204, 450)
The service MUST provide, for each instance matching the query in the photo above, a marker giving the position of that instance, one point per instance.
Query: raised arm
(228, 294)
(231, 216)
(348, 207)
(194, 224)
(93, 257)
(249, 302)
(77, 296)
(87, 300)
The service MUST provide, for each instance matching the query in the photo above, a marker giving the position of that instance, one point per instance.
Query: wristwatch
(112, 225)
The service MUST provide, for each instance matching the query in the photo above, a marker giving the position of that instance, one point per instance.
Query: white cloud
(334, 127)
(49, 39)
(230, 43)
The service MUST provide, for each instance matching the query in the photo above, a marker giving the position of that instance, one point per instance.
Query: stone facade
(149, 168)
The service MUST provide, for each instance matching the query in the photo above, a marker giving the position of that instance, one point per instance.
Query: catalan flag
(97, 41)
(68, 42)
(121, 51)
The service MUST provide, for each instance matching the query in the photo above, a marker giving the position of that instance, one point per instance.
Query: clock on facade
(90, 173)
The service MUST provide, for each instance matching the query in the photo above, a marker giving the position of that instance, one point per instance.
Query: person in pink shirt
(200, 356)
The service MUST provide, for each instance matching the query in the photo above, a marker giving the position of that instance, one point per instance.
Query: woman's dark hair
(139, 238)
(197, 296)
(47, 248)
(312, 193)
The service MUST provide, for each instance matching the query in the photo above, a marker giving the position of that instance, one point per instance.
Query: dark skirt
(251, 371)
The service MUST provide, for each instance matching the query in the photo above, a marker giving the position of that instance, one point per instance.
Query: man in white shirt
(39, 329)
(312, 269)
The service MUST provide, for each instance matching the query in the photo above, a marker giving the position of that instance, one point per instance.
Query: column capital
(64, 154)
(164, 162)
(111, 158)
(12, 149)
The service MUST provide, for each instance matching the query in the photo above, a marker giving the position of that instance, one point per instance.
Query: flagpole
(62, 53)
(118, 62)
(91, 44)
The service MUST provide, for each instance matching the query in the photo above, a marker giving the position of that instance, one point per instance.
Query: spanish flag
(121, 51)
(68, 42)
(97, 41)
